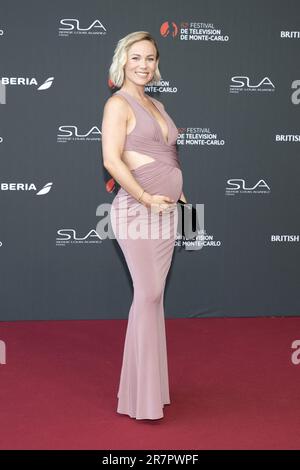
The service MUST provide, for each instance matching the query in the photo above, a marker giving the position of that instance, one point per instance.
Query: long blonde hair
(116, 70)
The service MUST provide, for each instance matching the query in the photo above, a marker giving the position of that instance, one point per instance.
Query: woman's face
(141, 62)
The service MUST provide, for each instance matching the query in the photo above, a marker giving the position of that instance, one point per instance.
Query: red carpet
(232, 384)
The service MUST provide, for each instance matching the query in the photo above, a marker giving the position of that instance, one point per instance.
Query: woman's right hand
(158, 203)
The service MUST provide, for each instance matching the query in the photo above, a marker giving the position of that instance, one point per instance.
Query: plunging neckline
(156, 121)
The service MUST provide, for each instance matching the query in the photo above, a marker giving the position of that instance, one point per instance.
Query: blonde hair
(116, 70)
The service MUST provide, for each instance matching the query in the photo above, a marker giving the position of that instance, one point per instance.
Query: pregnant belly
(159, 178)
(172, 184)
(154, 178)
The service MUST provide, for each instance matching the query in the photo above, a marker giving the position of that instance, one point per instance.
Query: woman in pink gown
(144, 384)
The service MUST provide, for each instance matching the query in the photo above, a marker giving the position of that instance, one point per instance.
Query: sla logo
(242, 83)
(71, 26)
(25, 187)
(68, 236)
(2, 352)
(71, 133)
(169, 29)
(237, 186)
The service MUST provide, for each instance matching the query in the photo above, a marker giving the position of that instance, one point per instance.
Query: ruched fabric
(144, 382)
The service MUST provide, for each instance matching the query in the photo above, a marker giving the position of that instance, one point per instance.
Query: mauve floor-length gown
(144, 383)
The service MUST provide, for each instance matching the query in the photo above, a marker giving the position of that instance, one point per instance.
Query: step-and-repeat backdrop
(231, 83)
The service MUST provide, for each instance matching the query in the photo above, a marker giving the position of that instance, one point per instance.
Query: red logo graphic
(110, 184)
(169, 28)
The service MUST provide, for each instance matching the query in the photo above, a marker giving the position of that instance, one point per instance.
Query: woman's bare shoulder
(116, 104)
(116, 101)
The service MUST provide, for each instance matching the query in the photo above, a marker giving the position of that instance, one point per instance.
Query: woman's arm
(113, 138)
